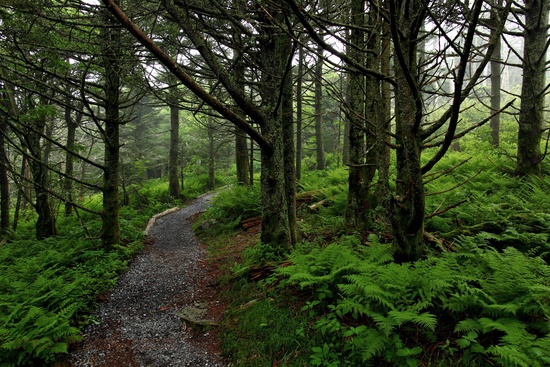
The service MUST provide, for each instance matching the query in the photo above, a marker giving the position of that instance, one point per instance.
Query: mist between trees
(98, 97)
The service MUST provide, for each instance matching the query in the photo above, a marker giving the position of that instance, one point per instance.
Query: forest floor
(140, 322)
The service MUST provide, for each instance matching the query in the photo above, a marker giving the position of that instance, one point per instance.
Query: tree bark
(357, 203)
(287, 111)
(407, 212)
(4, 183)
(533, 87)
(496, 72)
(211, 156)
(241, 147)
(241, 158)
(173, 169)
(45, 223)
(110, 230)
(275, 51)
(320, 145)
(299, 113)
(69, 159)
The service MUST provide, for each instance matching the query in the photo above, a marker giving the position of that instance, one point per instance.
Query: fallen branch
(445, 209)
(321, 203)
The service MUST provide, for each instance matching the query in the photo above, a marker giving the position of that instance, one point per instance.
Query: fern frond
(372, 344)
(424, 320)
(508, 355)
(468, 325)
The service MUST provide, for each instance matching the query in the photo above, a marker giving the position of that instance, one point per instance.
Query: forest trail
(138, 325)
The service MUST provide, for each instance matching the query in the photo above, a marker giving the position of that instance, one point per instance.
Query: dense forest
(391, 152)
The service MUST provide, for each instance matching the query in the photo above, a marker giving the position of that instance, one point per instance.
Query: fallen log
(321, 203)
(249, 223)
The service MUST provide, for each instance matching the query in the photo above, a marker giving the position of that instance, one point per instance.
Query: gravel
(138, 326)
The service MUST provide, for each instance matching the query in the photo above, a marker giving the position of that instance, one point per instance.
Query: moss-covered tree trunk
(533, 87)
(407, 209)
(278, 223)
(358, 179)
(110, 230)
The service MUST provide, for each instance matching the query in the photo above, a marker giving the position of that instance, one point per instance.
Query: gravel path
(138, 326)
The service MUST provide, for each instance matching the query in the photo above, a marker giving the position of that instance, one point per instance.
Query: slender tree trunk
(45, 223)
(173, 169)
(110, 230)
(69, 161)
(533, 88)
(496, 72)
(385, 90)
(299, 113)
(211, 156)
(357, 203)
(241, 147)
(288, 139)
(251, 162)
(319, 110)
(4, 183)
(241, 157)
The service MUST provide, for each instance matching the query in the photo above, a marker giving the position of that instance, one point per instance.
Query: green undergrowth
(497, 208)
(472, 307)
(49, 288)
(480, 297)
(230, 206)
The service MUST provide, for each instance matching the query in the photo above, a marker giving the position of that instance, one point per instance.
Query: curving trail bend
(138, 325)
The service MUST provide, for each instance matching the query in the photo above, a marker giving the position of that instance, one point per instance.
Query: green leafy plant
(492, 306)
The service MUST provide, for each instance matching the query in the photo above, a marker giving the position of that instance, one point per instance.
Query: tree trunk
(211, 156)
(358, 181)
(320, 146)
(69, 160)
(241, 157)
(385, 90)
(275, 52)
(533, 88)
(173, 171)
(110, 230)
(496, 72)
(4, 183)
(251, 162)
(241, 147)
(288, 140)
(407, 212)
(45, 223)
(299, 113)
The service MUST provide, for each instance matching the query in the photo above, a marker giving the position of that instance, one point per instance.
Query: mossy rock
(195, 317)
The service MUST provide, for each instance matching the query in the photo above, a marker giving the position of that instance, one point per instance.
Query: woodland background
(391, 151)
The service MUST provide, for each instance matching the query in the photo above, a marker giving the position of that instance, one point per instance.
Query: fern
(495, 302)
(507, 355)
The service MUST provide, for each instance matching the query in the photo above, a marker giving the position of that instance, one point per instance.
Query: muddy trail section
(142, 321)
